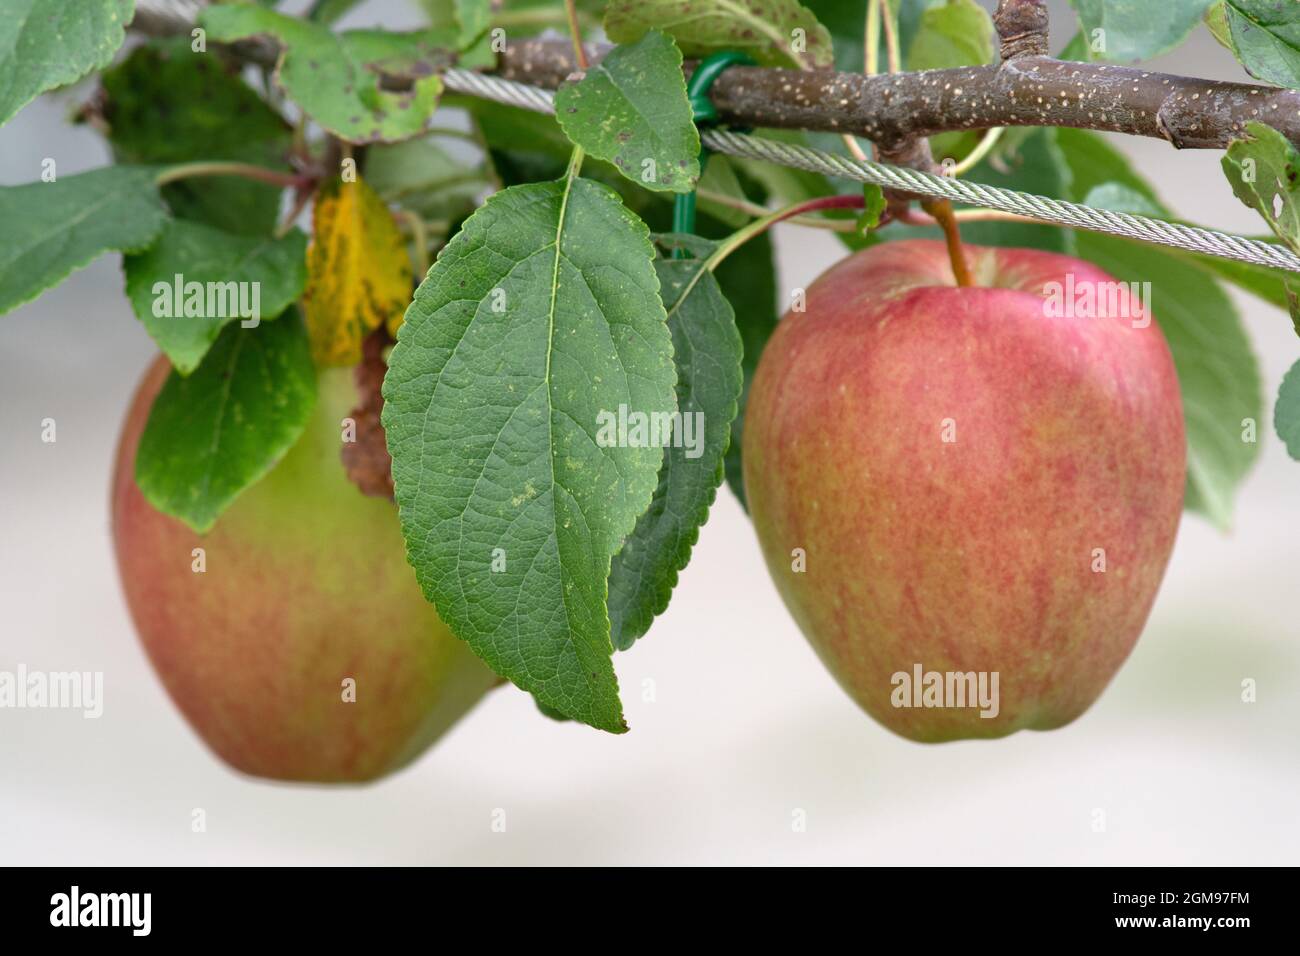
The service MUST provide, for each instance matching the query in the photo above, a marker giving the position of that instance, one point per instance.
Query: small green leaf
(167, 104)
(1217, 371)
(345, 81)
(50, 43)
(773, 32)
(1292, 304)
(874, 206)
(225, 267)
(540, 319)
(631, 109)
(1216, 21)
(1286, 414)
(1265, 36)
(53, 229)
(216, 432)
(1264, 170)
(956, 33)
(707, 351)
(470, 17)
(1137, 29)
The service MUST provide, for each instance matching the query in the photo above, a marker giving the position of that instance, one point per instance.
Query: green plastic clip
(705, 114)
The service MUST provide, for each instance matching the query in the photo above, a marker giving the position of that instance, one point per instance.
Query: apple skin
(306, 584)
(975, 555)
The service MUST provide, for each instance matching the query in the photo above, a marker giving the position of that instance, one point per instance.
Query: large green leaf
(1265, 36)
(773, 32)
(214, 433)
(707, 352)
(540, 319)
(1139, 29)
(1098, 169)
(168, 104)
(631, 109)
(1216, 368)
(184, 325)
(53, 229)
(345, 81)
(49, 43)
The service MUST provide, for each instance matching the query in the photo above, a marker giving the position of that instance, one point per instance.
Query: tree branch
(1025, 90)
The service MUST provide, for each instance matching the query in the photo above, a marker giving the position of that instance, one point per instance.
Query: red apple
(305, 586)
(976, 488)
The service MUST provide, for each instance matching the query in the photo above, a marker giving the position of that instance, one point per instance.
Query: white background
(747, 726)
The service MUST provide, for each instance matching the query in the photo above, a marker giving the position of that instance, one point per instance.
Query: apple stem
(942, 211)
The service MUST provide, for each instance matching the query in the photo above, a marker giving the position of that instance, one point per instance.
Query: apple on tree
(947, 477)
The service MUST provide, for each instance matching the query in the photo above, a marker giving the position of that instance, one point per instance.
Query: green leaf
(631, 109)
(214, 433)
(1216, 21)
(707, 351)
(1217, 371)
(1093, 162)
(470, 17)
(226, 266)
(1286, 414)
(343, 81)
(748, 280)
(53, 229)
(420, 175)
(1265, 36)
(1135, 29)
(1264, 170)
(1292, 304)
(773, 32)
(49, 43)
(956, 33)
(540, 318)
(874, 206)
(166, 104)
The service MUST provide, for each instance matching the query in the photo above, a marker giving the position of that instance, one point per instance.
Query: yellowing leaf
(358, 271)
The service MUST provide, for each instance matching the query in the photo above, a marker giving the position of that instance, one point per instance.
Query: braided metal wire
(1041, 208)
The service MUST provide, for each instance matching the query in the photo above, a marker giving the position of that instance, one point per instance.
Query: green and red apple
(303, 649)
(961, 481)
